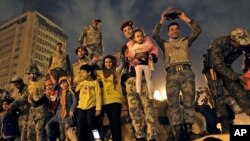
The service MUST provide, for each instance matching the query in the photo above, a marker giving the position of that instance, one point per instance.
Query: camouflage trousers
(237, 91)
(36, 124)
(23, 125)
(94, 51)
(181, 81)
(140, 110)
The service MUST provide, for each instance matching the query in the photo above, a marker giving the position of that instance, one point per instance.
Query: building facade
(25, 39)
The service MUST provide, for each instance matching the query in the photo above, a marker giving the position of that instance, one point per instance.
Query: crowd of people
(69, 101)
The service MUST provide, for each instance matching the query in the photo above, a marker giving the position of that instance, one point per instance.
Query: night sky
(216, 17)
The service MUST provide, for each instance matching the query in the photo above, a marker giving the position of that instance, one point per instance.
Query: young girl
(112, 95)
(89, 104)
(141, 53)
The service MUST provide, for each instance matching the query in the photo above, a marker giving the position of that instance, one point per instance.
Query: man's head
(95, 23)
(59, 47)
(173, 30)
(17, 82)
(127, 29)
(239, 37)
(33, 72)
(81, 52)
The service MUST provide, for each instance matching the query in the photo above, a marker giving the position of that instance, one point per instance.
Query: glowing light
(160, 96)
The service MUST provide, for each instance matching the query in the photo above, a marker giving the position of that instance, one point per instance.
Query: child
(66, 108)
(90, 103)
(141, 53)
(9, 121)
(112, 95)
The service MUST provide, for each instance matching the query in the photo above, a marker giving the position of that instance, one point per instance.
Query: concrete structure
(25, 39)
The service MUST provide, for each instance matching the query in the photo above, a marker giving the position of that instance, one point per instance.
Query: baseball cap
(62, 78)
(241, 36)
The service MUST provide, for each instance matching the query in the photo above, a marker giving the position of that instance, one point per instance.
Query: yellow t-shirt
(90, 95)
(109, 93)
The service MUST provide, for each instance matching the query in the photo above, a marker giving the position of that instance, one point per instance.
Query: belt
(178, 68)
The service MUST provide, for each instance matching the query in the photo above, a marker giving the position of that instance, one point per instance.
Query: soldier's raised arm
(196, 29)
(157, 29)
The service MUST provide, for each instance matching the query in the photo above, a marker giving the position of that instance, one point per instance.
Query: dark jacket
(10, 126)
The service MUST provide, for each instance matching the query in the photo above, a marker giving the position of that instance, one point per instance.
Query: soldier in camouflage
(81, 53)
(180, 77)
(139, 105)
(20, 96)
(36, 119)
(91, 39)
(224, 51)
(59, 63)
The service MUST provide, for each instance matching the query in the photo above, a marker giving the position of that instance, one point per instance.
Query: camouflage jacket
(223, 54)
(165, 45)
(90, 37)
(22, 102)
(60, 61)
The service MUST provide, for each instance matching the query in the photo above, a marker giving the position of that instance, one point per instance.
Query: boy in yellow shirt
(89, 105)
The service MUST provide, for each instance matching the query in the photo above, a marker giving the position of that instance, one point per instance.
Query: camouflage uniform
(180, 77)
(23, 105)
(223, 54)
(59, 65)
(36, 120)
(138, 105)
(91, 39)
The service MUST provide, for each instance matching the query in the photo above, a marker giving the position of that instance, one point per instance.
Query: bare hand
(163, 18)
(140, 55)
(71, 114)
(184, 17)
(71, 133)
(97, 113)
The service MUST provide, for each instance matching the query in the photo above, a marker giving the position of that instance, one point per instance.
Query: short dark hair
(87, 67)
(138, 30)
(8, 100)
(84, 49)
(59, 43)
(174, 23)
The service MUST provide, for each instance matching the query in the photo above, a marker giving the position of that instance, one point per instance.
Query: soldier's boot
(224, 124)
(179, 132)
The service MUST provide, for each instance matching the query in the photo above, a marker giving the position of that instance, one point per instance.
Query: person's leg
(114, 115)
(83, 134)
(134, 108)
(147, 106)
(147, 74)
(50, 129)
(138, 71)
(91, 121)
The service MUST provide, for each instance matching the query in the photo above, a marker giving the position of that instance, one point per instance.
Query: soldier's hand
(163, 18)
(97, 113)
(184, 17)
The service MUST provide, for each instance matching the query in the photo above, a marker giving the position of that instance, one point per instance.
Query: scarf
(63, 104)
